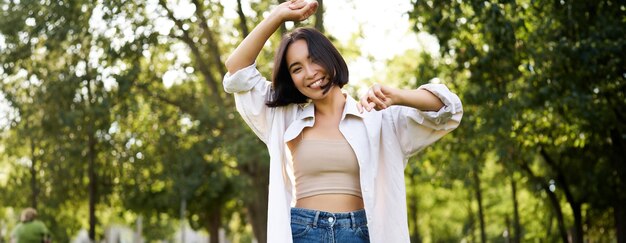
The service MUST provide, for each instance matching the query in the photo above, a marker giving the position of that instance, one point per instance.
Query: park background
(112, 115)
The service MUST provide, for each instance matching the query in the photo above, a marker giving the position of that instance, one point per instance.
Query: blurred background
(115, 126)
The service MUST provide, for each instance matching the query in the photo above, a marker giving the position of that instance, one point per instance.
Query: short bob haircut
(321, 52)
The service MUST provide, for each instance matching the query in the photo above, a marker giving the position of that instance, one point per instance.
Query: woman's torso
(325, 129)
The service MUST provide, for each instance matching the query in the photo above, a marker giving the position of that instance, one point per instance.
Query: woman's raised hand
(296, 10)
(378, 97)
(246, 53)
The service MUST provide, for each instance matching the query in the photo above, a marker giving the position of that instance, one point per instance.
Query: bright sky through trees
(120, 117)
(385, 27)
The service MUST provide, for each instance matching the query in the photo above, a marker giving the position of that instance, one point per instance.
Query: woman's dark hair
(321, 52)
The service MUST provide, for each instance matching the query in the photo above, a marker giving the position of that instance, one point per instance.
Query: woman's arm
(418, 117)
(245, 82)
(380, 97)
(246, 53)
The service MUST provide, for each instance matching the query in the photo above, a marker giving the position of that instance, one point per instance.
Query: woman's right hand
(296, 10)
(248, 50)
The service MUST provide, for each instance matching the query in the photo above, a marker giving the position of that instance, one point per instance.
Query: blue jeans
(309, 225)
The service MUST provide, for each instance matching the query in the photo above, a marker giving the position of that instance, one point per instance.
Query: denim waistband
(317, 218)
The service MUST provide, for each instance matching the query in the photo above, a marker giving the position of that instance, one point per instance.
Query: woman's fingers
(374, 99)
(378, 97)
(379, 92)
(298, 10)
(297, 4)
(363, 105)
(308, 10)
(371, 96)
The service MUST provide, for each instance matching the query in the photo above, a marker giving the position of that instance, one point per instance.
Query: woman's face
(308, 77)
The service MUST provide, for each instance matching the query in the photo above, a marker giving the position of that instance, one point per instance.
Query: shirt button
(331, 219)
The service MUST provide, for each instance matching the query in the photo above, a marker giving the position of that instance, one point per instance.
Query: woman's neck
(332, 104)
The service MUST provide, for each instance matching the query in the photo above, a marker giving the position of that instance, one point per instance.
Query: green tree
(51, 56)
(547, 78)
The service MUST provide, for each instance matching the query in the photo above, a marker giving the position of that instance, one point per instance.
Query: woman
(30, 229)
(336, 169)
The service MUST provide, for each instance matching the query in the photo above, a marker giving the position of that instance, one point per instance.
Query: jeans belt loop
(317, 216)
(352, 219)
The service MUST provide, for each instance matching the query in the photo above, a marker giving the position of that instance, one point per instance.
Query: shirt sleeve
(417, 129)
(251, 90)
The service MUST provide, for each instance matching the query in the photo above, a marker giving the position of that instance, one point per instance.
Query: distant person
(336, 164)
(30, 230)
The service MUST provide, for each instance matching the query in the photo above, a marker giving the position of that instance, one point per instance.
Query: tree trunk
(575, 205)
(214, 226)
(243, 23)
(481, 216)
(319, 16)
(472, 221)
(619, 165)
(283, 29)
(183, 219)
(91, 171)
(559, 212)
(92, 186)
(507, 223)
(256, 204)
(257, 212)
(578, 222)
(417, 237)
(33, 175)
(553, 200)
(413, 211)
(516, 222)
(549, 226)
(619, 213)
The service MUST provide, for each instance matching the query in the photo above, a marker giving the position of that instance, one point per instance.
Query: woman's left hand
(378, 97)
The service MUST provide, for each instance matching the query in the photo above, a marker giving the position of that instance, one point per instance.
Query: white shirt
(382, 141)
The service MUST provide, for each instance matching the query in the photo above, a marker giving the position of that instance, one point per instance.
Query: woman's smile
(319, 83)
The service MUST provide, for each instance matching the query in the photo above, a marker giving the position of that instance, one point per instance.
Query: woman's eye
(295, 70)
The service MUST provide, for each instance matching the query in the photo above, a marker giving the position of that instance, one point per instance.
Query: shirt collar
(350, 108)
(308, 109)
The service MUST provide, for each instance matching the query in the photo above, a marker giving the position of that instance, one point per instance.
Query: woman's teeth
(317, 84)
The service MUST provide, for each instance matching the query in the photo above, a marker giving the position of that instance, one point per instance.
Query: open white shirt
(382, 141)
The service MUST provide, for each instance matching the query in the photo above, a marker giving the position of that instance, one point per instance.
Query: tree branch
(560, 177)
(283, 28)
(164, 99)
(201, 63)
(213, 46)
(319, 16)
(243, 22)
(551, 195)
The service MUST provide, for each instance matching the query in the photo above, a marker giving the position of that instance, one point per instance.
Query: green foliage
(131, 91)
(85, 87)
(542, 85)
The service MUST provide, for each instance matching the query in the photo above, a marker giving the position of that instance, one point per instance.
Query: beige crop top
(326, 167)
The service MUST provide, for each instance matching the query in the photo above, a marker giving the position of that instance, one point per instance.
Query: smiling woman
(302, 60)
(336, 169)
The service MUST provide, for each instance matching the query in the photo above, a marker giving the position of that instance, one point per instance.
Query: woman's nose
(310, 71)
